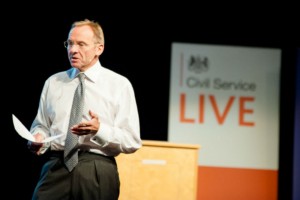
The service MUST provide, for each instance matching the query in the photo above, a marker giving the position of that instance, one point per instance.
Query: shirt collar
(91, 73)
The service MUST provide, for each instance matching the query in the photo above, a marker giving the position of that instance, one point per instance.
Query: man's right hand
(35, 147)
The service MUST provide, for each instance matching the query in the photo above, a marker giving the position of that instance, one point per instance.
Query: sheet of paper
(23, 131)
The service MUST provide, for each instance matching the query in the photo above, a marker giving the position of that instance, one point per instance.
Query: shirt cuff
(103, 135)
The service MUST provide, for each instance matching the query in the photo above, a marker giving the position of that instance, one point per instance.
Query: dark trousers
(95, 177)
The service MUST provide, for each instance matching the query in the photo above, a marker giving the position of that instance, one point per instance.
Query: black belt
(60, 154)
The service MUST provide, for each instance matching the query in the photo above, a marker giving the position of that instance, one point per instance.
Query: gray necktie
(71, 151)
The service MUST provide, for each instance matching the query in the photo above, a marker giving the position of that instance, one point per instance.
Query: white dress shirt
(108, 94)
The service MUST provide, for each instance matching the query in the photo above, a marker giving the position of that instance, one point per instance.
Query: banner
(226, 98)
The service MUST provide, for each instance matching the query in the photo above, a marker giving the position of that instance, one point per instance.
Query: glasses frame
(81, 45)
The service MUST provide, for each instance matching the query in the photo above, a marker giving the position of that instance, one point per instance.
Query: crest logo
(198, 64)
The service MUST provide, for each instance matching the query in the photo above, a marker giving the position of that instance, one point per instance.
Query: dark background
(138, 46)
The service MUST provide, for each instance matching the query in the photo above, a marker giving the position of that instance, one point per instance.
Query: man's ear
(100, 49)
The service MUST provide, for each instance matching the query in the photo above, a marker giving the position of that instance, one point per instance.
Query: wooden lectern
(159, 171)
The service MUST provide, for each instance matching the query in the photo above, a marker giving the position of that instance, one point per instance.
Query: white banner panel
(226, 98)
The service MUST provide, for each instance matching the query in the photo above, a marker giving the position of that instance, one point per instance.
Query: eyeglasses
(81, 45)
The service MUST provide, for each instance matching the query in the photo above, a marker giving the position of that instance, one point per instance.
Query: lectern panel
(159, 171)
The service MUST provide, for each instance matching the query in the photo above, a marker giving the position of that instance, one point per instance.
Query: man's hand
(87, 127)
(35, 147)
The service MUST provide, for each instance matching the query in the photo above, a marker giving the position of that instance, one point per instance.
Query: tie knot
(81, 76)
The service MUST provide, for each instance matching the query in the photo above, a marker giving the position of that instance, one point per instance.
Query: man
(108, 126)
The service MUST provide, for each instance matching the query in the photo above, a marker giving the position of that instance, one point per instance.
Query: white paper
(24, 133)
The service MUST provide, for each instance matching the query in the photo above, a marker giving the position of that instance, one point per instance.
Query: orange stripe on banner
(219, 183)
